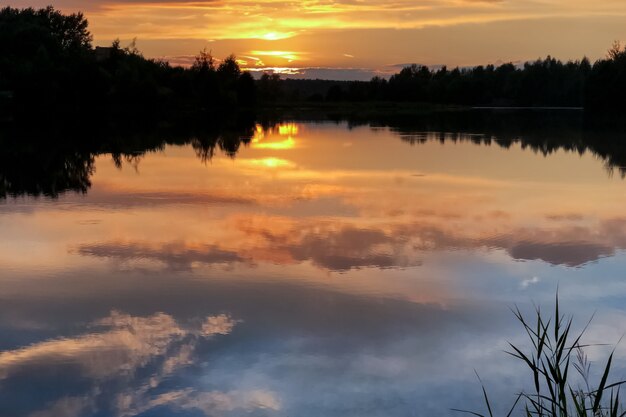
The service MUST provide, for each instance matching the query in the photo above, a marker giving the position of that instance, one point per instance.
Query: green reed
(554, 351)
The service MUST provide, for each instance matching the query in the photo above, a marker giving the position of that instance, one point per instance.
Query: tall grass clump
(558, 390)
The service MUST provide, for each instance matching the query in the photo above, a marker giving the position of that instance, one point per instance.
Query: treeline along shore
(48, 66)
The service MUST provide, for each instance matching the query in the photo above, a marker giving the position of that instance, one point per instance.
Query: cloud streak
(278, 19)
(177, 256)
(126, 345)
(369, 34)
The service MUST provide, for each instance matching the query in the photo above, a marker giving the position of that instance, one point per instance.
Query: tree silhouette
(48, 67)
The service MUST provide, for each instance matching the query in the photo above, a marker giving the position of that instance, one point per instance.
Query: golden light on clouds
(278, 70)
(358, 34)
(276, 20)
(286, 55)
(273, 36)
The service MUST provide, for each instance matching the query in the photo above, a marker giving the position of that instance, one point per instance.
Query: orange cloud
(378, 32)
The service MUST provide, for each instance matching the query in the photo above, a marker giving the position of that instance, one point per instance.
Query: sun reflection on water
(263, 140)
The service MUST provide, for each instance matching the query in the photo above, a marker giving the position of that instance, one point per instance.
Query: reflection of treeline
(543, 132)
(40, 161)
(48, 65)
(48, 161)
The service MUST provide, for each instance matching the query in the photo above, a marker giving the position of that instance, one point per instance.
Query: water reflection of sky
(323, 271)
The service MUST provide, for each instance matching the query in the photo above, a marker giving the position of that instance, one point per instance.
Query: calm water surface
(324, 270)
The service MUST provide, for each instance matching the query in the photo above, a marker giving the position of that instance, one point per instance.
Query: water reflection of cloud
(213, 403)
(566, 245)
(361, 350)
(67, 407)
(128, 343)
(305, 349)
(560, 253)
(174, 255)
(339, 249)
(121, 351)
(103, 196)
(108, 198)
(342, 246)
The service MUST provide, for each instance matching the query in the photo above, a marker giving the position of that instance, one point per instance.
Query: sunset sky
(355, 39)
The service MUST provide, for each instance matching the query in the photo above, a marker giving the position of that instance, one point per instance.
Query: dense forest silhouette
(48, 66)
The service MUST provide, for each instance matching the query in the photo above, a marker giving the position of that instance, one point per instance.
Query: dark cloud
(562, 253)
(342, 249)
(118, 198)
(335, 74)
(345, 249)
(565, 217)
(175, 255)
(396, 67)
(570, 246)
(115, 199)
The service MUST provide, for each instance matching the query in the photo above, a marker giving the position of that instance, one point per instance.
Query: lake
(305, 266)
